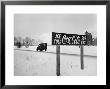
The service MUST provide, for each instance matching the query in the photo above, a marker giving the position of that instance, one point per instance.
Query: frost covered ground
(29, 62)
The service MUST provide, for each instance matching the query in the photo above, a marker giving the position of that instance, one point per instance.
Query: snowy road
(55, 53)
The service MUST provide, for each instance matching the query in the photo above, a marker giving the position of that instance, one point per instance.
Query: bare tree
(15, 41)
(27, 42)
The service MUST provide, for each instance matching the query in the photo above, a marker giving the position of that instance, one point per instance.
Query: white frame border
(100, 79)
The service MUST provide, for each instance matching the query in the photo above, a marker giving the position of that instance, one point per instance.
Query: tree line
(27, 41)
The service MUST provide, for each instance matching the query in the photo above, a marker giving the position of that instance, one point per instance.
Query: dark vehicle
(42, 46)
(18, 44)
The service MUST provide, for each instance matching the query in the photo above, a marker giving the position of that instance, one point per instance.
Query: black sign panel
(68, 39)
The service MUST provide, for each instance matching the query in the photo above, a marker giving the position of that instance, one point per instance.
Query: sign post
(81, 58)
(58, 60)
(68, 39)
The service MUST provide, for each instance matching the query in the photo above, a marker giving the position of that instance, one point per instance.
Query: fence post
(58, 60)
(81, 56)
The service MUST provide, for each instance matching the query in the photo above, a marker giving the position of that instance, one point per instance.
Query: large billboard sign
(68, 39)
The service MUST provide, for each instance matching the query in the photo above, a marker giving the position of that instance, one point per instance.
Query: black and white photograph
(55, 44)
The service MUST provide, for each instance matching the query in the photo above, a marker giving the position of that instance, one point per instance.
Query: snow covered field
(29, 62)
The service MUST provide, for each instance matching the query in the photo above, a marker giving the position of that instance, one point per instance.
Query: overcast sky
(33, 25)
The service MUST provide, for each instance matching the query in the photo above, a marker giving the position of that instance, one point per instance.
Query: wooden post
(58, 60)
(81, 55)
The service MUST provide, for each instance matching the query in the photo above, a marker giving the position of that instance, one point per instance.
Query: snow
(70, 66)
(33, 63)
(29, 62)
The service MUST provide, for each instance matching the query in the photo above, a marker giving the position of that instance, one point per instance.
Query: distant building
(94, 41)
(89, 38)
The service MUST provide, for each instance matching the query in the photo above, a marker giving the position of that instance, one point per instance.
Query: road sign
(68, 39)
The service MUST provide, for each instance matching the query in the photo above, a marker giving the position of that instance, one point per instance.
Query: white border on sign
(100, 79)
